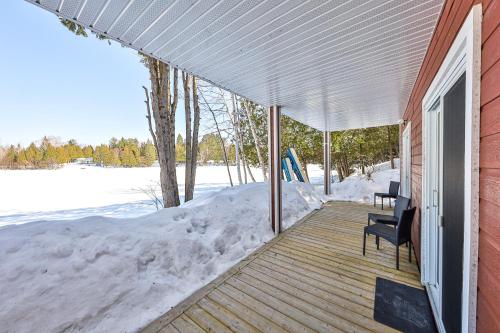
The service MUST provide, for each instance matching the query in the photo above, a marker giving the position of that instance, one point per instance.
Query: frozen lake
(77, 191)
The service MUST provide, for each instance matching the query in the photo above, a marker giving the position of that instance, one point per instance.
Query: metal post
(327, 165)
(275, 173)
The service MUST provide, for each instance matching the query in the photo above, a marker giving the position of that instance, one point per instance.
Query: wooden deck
(312, 278)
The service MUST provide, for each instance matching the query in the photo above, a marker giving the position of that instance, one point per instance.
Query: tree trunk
(237, 160)
(250, 173)
(191, 135)
(391, 156)
(188, 195)
(361, 159)
(164, 107)
(339, 173)
(196, 130)
(342, 165)
(237, 140)
(240, 139)
(245, 165)
(256, 140)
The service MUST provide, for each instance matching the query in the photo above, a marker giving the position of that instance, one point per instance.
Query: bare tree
(239, 139)
(196, 130)
(191, 133)
(249, 108)
(210, 107)
(188, 139)
(148, 117)
(152, 194)
(163, 102)
(236, 138)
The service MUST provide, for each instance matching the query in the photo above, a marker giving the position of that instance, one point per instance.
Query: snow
(76, 191)
(114, 270)
(360, 188)
(101, 274)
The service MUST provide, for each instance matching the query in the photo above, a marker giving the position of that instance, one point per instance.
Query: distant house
(84, 160)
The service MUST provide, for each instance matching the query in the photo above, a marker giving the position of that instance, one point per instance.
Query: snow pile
(100, 274)
(360, 188)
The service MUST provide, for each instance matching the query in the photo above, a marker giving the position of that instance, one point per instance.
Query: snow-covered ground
(77, 191)
(360, 188)
(357, 187)
(107, 274)
(100, 274)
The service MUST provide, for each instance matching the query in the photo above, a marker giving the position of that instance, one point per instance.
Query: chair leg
(397, 257)
(382, 203)
(374, 200)
(390, 203)
(364, 242)
(377, 240)
(409, 252)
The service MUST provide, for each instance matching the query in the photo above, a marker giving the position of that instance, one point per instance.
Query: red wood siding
(452, 18)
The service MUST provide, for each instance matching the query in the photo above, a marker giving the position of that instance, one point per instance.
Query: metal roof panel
(330, 64)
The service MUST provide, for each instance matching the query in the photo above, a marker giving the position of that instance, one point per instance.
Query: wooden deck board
(312, 278)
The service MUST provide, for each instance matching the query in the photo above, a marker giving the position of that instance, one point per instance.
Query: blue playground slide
(286, 170)
(296, 166)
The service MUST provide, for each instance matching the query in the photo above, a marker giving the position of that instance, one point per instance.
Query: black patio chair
(397, 236)
(401, 204)
(392, 194)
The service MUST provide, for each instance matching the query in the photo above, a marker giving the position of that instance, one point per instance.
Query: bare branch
(173, 107)
(148, 117)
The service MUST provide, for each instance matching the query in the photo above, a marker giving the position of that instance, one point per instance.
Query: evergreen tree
(148, 153)
(210, 149)
(88, 151)
(62, 155)
(33, 156)
(11, 158)
(127, 157)
(180, 149)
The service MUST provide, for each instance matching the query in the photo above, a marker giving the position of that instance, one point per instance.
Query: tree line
(50, 153)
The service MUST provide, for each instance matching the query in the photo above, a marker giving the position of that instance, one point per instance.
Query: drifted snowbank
(360, 188)
(100, 274)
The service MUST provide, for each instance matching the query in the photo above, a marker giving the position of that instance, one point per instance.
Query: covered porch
(332, 65)
(311, 278)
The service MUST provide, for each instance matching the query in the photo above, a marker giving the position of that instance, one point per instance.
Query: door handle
(435, 198)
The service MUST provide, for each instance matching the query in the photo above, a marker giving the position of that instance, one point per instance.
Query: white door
(406, 162)
(433, 166)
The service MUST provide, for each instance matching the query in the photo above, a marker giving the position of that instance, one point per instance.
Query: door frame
(464, 56)
(405, 162)
(434, 111)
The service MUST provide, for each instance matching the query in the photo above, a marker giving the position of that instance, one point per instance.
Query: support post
(275, 173)
(327, 163)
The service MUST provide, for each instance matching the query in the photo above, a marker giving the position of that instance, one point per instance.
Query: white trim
(463, 56)
(405, 168)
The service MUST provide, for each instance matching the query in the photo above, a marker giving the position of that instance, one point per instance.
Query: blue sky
(55, 83)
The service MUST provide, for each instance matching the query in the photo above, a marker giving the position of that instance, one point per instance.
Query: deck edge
(164, 320)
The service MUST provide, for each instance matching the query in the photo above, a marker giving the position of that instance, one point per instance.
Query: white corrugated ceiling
(330, 64)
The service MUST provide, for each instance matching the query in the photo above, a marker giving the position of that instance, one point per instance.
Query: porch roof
(330, 64)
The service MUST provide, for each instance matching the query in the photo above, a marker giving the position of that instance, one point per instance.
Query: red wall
(452, 17)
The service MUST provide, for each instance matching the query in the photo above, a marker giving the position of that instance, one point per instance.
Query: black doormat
(402, 307)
